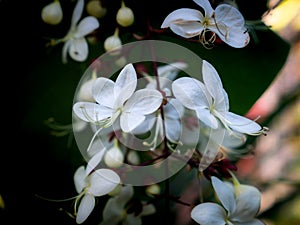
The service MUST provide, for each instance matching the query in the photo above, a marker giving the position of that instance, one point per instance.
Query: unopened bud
(95, 8)
(153, 189)
(113, 43)
(52, 13)
(114, 157)
(125, 16)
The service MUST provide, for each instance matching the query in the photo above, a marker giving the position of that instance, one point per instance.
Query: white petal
(91, 112)
(112, 212)
(187, 29)
(206, 117)
(103, 181)
(173, 129)
(103, 92)
(208, 214)
(206, 6)
(125, 194)
(85, 208)
(173, 109)
(171, 70)
(146, 125)
(125, 84)
(225, 194)
(229, 15)
(129, 121)
(190, 92)
(247, 203)
(235, 34)
(214, 85)
(77, 12)
(94, 161)
(65, 51)
(183, 14)
(242, 124)
(79, 50)
(144, 101)
(237, 37)
(79, 179)
(86, 26)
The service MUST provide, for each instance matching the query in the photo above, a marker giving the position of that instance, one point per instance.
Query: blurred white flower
(225, 21)
(115, 210)
(100, 182)
(241, 204)
(52, 13)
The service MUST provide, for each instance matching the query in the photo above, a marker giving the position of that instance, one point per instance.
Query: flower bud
(95, 8)
(125, 16)
(85, 91)
(153, 189)
(114, 157)
(52, 13)
(113, 43)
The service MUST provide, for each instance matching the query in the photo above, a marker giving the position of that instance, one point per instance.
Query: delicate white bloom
(113, 43)
(240, 205)
(118, 100)
(74, 42)
(89, 186)
(210, 101)
(225, 21)
(52, 13)
(125, 16)
(115, 209)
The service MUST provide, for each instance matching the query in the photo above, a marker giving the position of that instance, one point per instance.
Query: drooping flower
(75, 43)
(225, 21)
(117, 209)
(211, 103)
(240, 203)
(98, 183)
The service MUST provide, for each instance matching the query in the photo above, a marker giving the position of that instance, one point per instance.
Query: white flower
(119, 100)
(115, 209)
(75, 43)
(240, 205)
(210, 101)
(52, 13)
(225, 21)
(89, 186)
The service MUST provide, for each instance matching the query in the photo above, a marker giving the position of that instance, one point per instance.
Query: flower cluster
(118, 109)
(145, 118)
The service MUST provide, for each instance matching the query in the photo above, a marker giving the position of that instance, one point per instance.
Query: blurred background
(261, 79)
